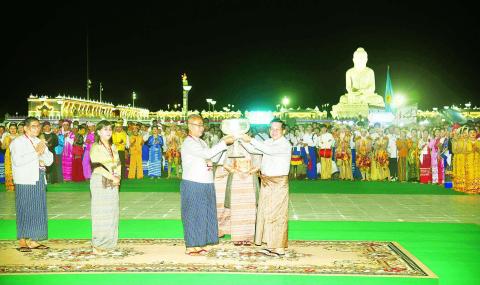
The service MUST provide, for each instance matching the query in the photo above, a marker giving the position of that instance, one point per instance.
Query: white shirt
(309, 139)
(423, 146)
(145, 135)
(325, 141)
(195, 154)
(352, 142)
(392, 145)
(26, 161)
(289, 137)
(276, 155)
(295, 141)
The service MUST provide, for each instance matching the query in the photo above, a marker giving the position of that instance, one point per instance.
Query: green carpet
(317, 187)
(452, 251)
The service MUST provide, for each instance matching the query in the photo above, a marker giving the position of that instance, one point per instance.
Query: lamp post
(213, 104)
(468, 105)
(134, 96)
(186, 89)
(209, 101)
(101, 89)
(89, 85)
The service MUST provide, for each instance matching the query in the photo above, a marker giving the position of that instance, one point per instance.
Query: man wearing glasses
(272, 212)
(197, 192)
(30, 156)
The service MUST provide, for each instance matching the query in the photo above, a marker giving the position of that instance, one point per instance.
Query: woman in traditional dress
(299, 160)
(173, 152)
(67, 153)
(89, 140)
(308, 141)
(355, 170)
(104, 184)
(58, 153)
(402, 153)
(425, 158)
(77, 166)
(458, 149)
(364, 148)
(155, 146)
(12, 134)
(471, 157)
(145, 133)
(220, 179)
(381, 156)
(413, 161)
(136, 143)
(343, 154)
(477, 164)
(120, 140)
(435, 145)
(241, 195)
(373, 157)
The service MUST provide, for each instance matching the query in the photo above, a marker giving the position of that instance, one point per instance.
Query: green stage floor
(452, 251)
(302, 206)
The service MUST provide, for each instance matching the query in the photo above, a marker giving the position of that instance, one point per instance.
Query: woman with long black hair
(104, 185)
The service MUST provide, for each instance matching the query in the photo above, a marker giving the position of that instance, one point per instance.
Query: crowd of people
(142, 150)
(446, 155)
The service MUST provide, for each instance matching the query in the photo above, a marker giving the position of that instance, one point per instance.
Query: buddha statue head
(360, 58)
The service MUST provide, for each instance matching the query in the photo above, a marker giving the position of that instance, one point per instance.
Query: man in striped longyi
(30, 156)
(197, 191)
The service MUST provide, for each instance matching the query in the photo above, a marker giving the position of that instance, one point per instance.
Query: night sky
(247, 54)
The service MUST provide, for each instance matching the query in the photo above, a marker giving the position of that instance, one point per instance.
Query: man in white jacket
(30, 156)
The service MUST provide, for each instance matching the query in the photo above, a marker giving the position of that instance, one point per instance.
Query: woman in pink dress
(435, 145)
(89, 140)
(67, 154)
(425, 159)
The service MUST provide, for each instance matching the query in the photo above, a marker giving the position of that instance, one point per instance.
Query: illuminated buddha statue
(360, 82)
